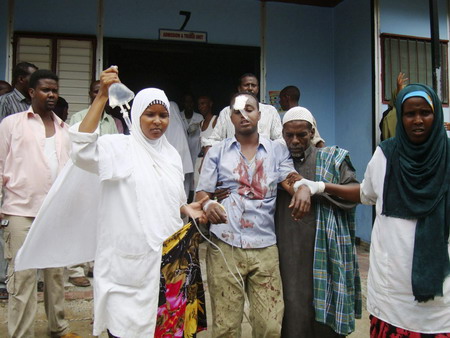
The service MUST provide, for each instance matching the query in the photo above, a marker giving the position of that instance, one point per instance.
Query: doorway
(179, 68)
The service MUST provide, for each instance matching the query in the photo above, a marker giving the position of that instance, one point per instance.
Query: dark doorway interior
(180, 68)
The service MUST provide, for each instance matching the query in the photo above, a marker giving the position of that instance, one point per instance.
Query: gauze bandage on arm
(314, 186)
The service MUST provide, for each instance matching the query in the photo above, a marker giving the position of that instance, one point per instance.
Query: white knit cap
(298, 113)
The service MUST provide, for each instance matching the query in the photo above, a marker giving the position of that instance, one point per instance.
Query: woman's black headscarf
(416, 185)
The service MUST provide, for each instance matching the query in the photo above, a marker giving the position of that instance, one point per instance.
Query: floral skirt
(381, 329)
(181, 309)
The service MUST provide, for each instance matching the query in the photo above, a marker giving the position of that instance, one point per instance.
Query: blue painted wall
(353, 91)
(3, 38)
(398, 15)
(300, 52)
(234, 22)
(68, 16)
(411, 17)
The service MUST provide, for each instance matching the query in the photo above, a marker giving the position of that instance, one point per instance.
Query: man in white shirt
(191, 121)
(269, 125)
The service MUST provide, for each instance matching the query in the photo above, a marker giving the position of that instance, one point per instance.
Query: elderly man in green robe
(321, 285)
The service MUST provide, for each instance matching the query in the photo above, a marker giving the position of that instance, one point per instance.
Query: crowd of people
(129, 207)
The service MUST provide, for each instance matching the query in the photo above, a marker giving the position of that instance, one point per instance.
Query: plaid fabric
(337, 285)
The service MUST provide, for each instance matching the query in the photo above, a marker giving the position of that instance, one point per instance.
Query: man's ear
(31, 92)
(259, 115)
(313, 132)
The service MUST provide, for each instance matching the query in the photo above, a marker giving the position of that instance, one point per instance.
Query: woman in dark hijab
(408, 181)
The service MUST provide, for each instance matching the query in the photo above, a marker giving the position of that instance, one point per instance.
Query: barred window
(412, 56)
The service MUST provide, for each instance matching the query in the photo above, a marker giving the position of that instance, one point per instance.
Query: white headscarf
(156, 164)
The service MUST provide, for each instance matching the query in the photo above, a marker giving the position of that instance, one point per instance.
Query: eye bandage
(239, 104)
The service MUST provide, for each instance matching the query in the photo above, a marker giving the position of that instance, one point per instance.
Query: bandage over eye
(239, 104)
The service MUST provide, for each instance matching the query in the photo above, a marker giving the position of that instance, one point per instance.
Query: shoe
(3, 293)
(40, 286)
(90, 273)
(79, 281)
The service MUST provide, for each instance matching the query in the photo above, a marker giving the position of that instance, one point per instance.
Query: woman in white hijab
(134, 207)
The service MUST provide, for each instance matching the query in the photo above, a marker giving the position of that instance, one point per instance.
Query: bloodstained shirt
(253, 184)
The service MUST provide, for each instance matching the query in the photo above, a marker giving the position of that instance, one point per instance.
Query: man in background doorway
(268, 126)
(289, 98)
(191, 121)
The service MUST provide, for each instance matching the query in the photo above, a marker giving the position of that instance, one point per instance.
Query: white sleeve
(372, 185)
(276, 129)
(85, 154)
(219, 132)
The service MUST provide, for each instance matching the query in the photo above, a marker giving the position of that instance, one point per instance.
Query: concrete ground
(79, 307)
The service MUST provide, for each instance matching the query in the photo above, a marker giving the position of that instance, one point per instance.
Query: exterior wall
(3, 38)
(300, 49)
(234, 22)
(411, 17)
(353, 92)
(69, 16)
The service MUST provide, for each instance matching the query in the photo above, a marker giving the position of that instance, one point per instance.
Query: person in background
(388, 121)
(107, 124)
(34, 147)
(191, 122)
(5, 87)
(407, 179)
(269, 125)
(19, 99)
(61, 109)
(177, 136)
(289, 98)
(205, 104)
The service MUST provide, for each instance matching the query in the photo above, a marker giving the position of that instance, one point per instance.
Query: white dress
(127, 269)
(389, 290)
